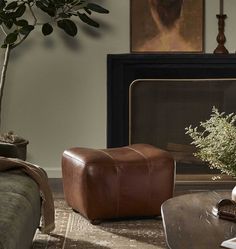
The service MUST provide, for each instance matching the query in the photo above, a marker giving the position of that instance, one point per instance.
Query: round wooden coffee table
(190, 224)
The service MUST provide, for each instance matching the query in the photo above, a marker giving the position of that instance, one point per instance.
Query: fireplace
(174, 80)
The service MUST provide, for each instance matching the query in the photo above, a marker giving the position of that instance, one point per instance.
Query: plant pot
(17, 150)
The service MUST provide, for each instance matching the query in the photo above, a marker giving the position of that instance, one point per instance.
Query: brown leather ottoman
(120, 182)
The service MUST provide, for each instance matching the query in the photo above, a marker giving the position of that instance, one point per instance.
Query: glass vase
(233, 195)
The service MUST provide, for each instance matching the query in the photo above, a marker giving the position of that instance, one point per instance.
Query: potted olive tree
(18, 19)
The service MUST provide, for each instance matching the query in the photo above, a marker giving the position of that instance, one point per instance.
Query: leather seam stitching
(118, 180)
(149, 163)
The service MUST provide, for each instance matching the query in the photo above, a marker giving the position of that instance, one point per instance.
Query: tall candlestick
(220, 49)
(221, 7)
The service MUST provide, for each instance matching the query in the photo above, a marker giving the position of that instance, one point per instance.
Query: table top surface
(190, 223)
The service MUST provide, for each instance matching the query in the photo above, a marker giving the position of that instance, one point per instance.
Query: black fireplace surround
(123, 69)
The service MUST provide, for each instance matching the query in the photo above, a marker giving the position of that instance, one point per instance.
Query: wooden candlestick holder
(220, 49)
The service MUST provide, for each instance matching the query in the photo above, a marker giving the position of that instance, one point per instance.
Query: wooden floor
(184, 185)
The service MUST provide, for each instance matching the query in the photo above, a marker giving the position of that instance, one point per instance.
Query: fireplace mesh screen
(161, 109)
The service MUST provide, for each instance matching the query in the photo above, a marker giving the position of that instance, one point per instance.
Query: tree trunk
(3, 78)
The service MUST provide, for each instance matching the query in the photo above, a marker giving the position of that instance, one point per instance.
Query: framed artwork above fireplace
(167, 26)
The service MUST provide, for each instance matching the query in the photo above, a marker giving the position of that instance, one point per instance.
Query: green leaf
(83, 17)
(68, 26)
(25, 30)
(51, 11)
(22, 22)
(11, 6)
(45, 2)
(64, 15)
(2, 4)
(4, 45)
(47, 29)
(3, 16)
(60, 2)
(40, 4)
(97, 8)
(88, 10)
(20, 11)
(11, 38)
(10, 15)
(8, 24)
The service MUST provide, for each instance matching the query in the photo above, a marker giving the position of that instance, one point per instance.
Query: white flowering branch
(215, 140)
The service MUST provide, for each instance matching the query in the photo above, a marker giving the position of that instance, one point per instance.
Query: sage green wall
(55, 93)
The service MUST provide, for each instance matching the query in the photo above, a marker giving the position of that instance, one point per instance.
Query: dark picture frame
(180, 29)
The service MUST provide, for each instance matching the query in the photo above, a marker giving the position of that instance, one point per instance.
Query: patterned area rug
(73, 231)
